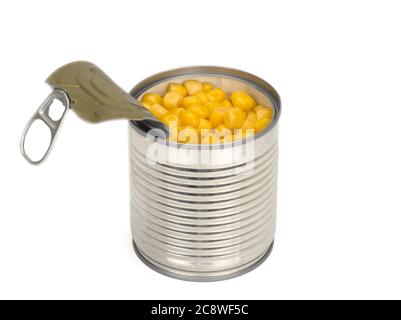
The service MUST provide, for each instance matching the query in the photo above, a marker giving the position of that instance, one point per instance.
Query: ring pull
(43, 114)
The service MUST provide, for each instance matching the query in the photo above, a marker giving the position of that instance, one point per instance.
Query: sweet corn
(177, 88)
(210, 138)
(217, 116)
(188, 118)
(172, 100)
(191, 100)
(203, 96)
(227, 138)
(188, 135)
(234, 118)
(152, 98)
(177, 111)
(222, 131)
(260, 124)
(207, 86)
(158, 111)
(204, 126)
(213, 105)
(171, 120)
(226, 103)
(248, 125)
(264, 112)
(216, 95)
(242, 100)
(193, 86)
(250, 121)
(200, 110)
(251, 116)
(206, 114)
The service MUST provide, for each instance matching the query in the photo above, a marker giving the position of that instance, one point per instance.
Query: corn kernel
(152, 98)
(234, 118)
(200, 110)
(260, 124)
(191, 100)
(193, 86)
(177, 111)
(158, 111)
(204, 126)
(226, 103)
(203, 96)
(251, 116)
(177, 88)
(216, 95)
(213, 105)
(172, 100)
(248, 125)
(188, 135)
(207, 86)
(264, 112)
(227, 138)
(217, 116)
(188, 118)
(222, 131)
(171, 120)
(242, 100)
(210, 138)
(250, 121)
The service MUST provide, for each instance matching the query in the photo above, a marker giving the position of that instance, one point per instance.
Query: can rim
(246, 77)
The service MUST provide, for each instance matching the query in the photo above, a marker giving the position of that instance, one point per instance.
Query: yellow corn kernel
(171, 120)
(248, 125)
(226, 103)
(147, 105)
(188, 135)
(200, 110)
(207, 86)
(227, 138)
(152, 98)
(249, 121)
(177, 88)
(210, 138)
(177, 111)
(242, 100)
(172, 100)
(213, 105)
(203, 96)
(234, 118)
(191, 100)
(188, 118)
(193, 86)
(217, 116)
(158, 111)
(260, 124)
(264, 112)
(251, 116)
(216, 95)
(204, 126)
(222, 131)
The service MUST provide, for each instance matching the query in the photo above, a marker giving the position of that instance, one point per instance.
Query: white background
(64, 226)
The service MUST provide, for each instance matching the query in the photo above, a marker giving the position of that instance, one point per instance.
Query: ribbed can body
(203, 213)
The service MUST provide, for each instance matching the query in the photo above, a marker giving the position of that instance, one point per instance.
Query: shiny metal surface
(197, 221)
(54, 125)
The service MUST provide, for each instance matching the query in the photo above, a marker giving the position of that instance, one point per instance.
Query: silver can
(204, 212)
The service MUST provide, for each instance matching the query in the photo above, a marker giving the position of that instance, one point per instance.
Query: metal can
(204, 220)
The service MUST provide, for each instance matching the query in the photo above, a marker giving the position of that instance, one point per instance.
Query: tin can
(200, 212)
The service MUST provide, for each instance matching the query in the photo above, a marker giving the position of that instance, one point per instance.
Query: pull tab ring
(43, 114)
